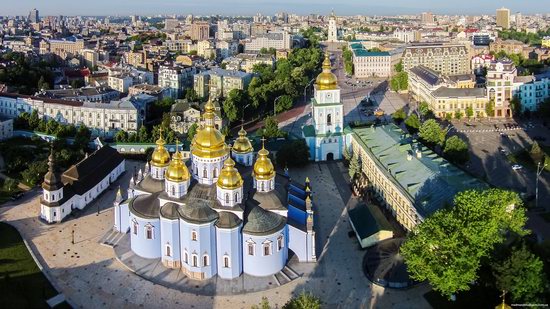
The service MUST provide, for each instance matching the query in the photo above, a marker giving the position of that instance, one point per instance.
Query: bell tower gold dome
(177, 171)
(242, 143)
(327, 80)
(263, 168)
(229, 177)
(208, 141)
(160, 156)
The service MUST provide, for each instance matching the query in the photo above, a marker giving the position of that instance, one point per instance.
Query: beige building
(183, 115)
(378, 64)
(218, 82)
(444, 59)
(447, 95)
(503, 18)
(246, 62)
(500, 86)
(274, 39)
(89, 58)
(63, 48)
(200, 31)
(136, 59)
(427, 18)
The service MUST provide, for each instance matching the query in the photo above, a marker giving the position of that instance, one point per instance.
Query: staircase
(111, 238)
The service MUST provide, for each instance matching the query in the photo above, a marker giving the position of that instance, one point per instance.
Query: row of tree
(348, 60)
(400, 80)
(26, 74)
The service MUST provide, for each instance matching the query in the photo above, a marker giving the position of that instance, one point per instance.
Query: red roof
(471, 30)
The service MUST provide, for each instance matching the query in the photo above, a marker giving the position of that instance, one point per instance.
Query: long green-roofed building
(412, 181)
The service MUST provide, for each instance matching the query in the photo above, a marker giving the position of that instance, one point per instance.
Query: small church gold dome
(242, 143)
(160, 156)
(177, 171)
(229, 176)
(327, 80)
(208, 141)
(263, 168)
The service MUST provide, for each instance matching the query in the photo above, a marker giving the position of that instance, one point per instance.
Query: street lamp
(305, 89)
(539, 171)
(275, 101)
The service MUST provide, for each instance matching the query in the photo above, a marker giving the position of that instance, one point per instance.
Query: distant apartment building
(136, 59)
(503, 18)
(122, 78)
(447, 95)
(89, 58)
(152, 90)
(206, 49)
(182, 45)
(427, 18)
(407, 35)
(171, 24)
(246, 62)
(63, 48)
(500, 86)
(176, 79)
(510, 47)
(374, 63)
(227, 48)
(532, 91)
(6, 128)
(275, 39)
(444, 59)
(200, 31)
(101, 118)
(84, 94)
(218, 82)
(482, 61)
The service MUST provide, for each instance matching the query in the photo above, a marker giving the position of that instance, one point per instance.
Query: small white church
(325, 136)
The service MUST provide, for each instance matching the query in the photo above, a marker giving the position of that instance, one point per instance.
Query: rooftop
(459, 92)
(429, 181)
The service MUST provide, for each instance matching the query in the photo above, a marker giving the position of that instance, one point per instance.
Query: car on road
(502, 150)
(517, 167)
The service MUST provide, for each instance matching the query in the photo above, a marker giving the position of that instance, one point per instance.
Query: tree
(121, 136)
(398, 116)
(536, 152)
(431, 133)
(412, 123)
(34, 120)
(490, 109)
(399, 67)
(521, 274)
(283, 104)
(191, 95)
(458, 114)
(469, 112)
(347, 153)
(10, 184)
(192, 131)
(515, 105)
(293, 154)
(35, 172)
(51, 126)
(399, 81)
(233, 104)
(43, 84)
(271, 128)
(456, 150)
(448, 116)
(303, 301)
(423, 109)
(354, 166)
(82, 137)
(446, 249)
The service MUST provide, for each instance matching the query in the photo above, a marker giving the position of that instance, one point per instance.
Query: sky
(251, 7)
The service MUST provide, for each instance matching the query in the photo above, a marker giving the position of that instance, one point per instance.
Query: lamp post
(539, 171)
(275, 101)
(305, 88)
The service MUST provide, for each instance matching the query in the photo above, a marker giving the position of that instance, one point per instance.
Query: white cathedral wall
(323, 149)
(157, 172)
(261, 265)
(170, 237)
(246, 159)
(229, 198)
(176, 189)
(122, 217)
(147, 248)
(205, 244)
(212, 166)
(56, 214)
(229, 244)
(297, 242)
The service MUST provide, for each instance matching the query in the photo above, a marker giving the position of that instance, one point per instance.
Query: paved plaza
(89, 275)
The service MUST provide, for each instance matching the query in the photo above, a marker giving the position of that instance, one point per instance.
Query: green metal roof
(430, 181)
(365, 53)
(366, 222)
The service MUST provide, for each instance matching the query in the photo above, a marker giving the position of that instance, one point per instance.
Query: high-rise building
(519, 19)
(442, 58)
(332, 28)
(171, 24)
(427, 18)
(34, 17)
(503, 18)
(200, 31)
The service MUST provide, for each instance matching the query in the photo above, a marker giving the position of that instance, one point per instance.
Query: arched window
(173, 190)
(215, 172)
(262, 186)
(267, 249)
(226, 263)
(186, 257)
(149, 232)
(135, 227)
(204, 173)
(194, 260)
(205, 260)
(236, 196)
(168, 250)
(250, 249)
(329, 119)
(194, 236)
(280, 243)
(227, 198)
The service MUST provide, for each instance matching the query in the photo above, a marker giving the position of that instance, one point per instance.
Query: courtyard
(90, 276)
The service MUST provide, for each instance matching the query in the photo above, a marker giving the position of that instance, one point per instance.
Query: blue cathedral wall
(229, 242)
(147, 248)
(170, 231)
(205, 244)
(260, 265)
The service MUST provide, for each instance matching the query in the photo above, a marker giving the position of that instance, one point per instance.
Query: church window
(280, 243)
(262, 186)
(186, 257)
(236, 196)
(195, 260)
(173, 190)
(204, 173)
(250, 249)
(267, 249)
(226, 261)
(135, 228)
(194, 236)
(149, 232)
(205, 260)
(329, 119)
(215, 173)
(227, 198)
(168, 250)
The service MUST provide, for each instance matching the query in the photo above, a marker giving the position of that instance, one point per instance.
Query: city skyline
(249, 7)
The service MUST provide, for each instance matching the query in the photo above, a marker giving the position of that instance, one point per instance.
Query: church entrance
(330, 156)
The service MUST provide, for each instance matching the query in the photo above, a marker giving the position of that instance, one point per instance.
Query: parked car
(517, 167)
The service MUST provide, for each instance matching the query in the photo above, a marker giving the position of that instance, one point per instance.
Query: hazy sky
(250, 7)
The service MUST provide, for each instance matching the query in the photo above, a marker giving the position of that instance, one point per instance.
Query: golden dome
(263, 168)
(177, 171)
(208, 141)
(229, 176)
(327, 80)
(242, 143)
(160, 156)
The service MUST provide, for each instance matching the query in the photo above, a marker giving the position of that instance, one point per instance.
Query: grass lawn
(476, 297)
(22, 284)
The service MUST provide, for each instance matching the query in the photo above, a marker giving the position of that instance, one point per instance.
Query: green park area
(22, 284)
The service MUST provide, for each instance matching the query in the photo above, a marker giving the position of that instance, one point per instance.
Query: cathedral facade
(205, 218)
(325, 135)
